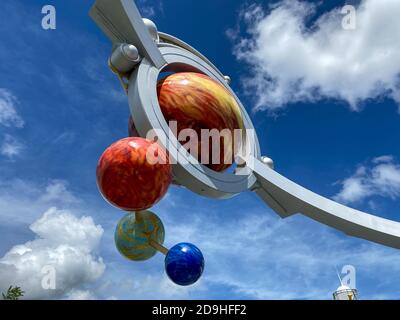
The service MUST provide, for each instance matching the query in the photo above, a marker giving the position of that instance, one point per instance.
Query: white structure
(345, 293)
(149, 52)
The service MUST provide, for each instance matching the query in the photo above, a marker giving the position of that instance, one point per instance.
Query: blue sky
(60, 107)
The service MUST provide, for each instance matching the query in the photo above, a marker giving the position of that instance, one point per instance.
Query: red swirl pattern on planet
(128, 179)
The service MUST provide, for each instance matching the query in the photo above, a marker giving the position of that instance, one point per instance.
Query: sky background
(325, 102)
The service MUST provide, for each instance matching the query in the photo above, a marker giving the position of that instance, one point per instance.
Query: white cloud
(148, 8)
(11, 147)
(293, 62)
(61, 227)
(80, 295)
(22, 201)
(8, 112)
(57, 190)
(148, 11)
(380, 178)
(385, 158)
(65, 138)
(64, 242)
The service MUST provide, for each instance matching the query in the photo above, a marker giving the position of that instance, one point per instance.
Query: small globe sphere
(133, 174)
(133, 233)
(196, 101)
(184, 264)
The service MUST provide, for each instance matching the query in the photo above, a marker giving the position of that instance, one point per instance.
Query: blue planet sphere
(184, 264)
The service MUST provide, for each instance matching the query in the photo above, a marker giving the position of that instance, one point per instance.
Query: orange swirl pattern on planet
(196, 101)
(128, 180)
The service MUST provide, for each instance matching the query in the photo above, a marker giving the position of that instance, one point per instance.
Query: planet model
(184, 264)
(133, 174)
(133, 233)
(196, 101)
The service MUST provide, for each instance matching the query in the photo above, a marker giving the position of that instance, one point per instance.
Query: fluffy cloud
(381, 177)
(293, 61)
(62, 240)
(63, 243)
(8, 112)
(57, 190)
(80, 295)
(11, 147)
(22, 201)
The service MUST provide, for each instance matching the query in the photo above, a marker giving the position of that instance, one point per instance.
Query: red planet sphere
(196, 101)
(133, 174)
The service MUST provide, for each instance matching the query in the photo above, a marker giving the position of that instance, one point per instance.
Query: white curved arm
(121, 21)
(287, 198)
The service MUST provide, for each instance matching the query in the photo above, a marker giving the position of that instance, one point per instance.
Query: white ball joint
(152, 28)
(228, 79)
(124, 58)
(268, 162)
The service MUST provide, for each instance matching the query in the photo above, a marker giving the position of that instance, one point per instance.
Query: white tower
(344, 292)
